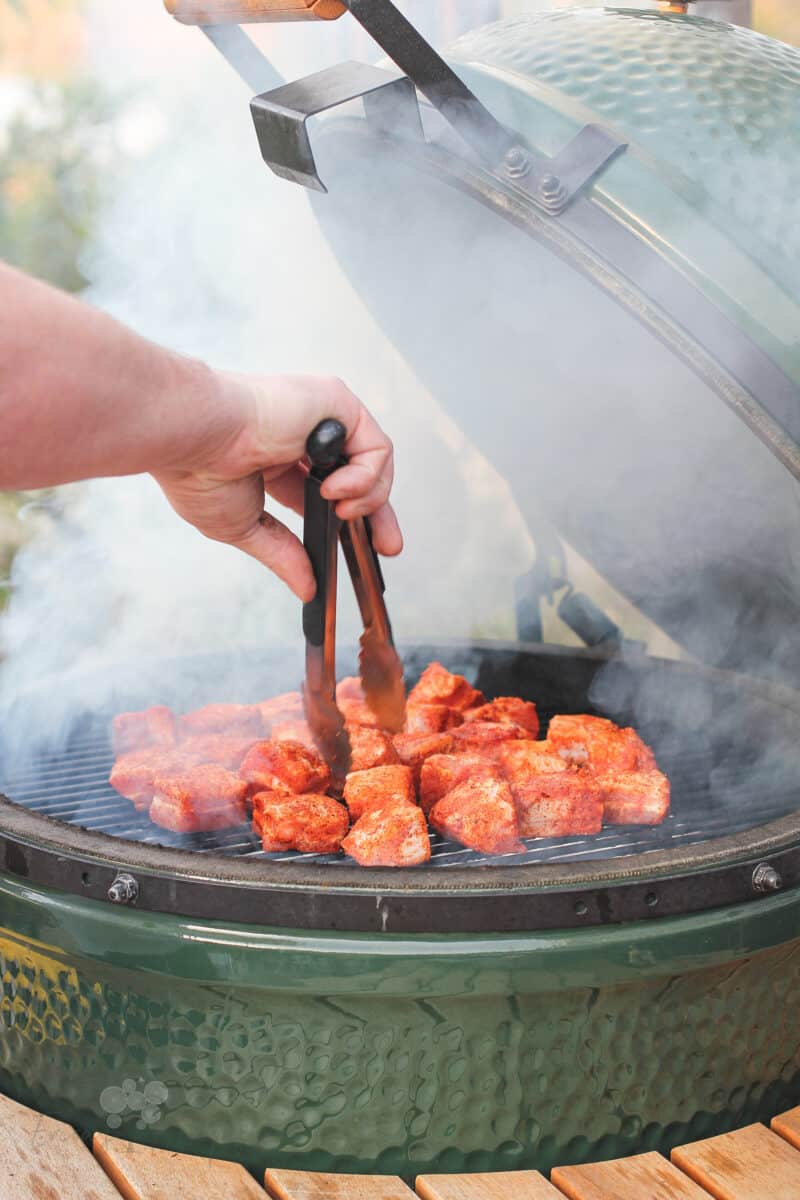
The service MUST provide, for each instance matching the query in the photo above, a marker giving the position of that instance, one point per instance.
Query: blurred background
(126, 161)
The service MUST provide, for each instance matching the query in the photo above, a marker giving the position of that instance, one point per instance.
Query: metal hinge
(390, 100)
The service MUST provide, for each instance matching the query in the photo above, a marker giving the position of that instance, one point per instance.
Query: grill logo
(134, 1097)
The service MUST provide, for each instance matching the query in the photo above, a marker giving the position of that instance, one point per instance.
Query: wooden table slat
(44, 1159)
(143, 1173)
(643, 1176)
(498, 1185)
(308, 1185)
(749, 1164)
(788, 1126)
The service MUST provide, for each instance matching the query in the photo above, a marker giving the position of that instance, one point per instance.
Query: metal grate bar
(709, 800)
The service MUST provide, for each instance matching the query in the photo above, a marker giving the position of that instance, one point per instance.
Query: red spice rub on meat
(236, 720)
(480, 814)
(559, 804)
(284, 767)
(486, 737)
(508, 710)
(201, 798)
(217, 747)
(599, 743)
(412, 749)
(442, 772)
(311, 823)
(286, 707)
(635, 797)
(295, 730)
(394, 835)
(521, 760)
(370, 748)
(431, 718)
(133, 775)
(437, 685)
(377, 787)
(156, 726)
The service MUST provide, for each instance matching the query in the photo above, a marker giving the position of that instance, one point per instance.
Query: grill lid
(606, 336)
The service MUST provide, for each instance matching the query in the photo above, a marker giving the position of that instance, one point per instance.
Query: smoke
(663, 506)
(201, 248)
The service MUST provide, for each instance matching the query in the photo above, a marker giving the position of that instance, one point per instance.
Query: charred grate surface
(713, 796)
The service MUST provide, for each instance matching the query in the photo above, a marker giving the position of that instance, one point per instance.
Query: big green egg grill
(592, 997)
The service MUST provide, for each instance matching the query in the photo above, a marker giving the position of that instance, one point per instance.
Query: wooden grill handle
(225, 12)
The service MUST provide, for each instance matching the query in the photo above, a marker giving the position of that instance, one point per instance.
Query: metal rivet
(651, 899)
(766, 879)
(517, 162)
(124, 889)
(581, 908)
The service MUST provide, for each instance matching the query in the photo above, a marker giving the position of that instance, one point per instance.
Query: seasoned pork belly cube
(394, 835)
(634, 797)
(559, 804)
(508, 710)
(596, 741)
(199, 799)
(377, 787)
(412, 749)
(431, 718)
(357, 712)
(479, 813)
(519, 761)
(349, 689)
(284, 767)
(370, 748)
(311, 823)
(486, 737)
(218, 748)
(236, 720)
(437, 685)
(286, 707)
(296, 730)
(133, 775)
(442, 772)
(156, 726)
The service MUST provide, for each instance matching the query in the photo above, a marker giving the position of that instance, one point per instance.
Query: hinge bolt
(517, 162)
(766, 879)
(124, 889)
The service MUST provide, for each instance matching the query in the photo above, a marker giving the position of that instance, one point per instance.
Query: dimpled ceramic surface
(718, 102)
(358, 1053)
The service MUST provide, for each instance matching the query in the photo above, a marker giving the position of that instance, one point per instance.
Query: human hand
(250, 443)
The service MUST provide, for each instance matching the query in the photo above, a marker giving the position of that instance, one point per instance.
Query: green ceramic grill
(591, 997)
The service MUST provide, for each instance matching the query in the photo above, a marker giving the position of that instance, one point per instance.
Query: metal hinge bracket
(281, 116)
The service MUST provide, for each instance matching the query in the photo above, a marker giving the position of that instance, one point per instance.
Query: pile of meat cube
(475, 771)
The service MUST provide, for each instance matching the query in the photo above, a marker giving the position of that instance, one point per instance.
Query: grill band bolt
(766, 879)
(517, 163)
(124, 889)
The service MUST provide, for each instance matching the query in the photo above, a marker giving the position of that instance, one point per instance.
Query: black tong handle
(325, 450)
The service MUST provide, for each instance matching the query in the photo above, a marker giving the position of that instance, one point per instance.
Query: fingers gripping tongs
(379, 663)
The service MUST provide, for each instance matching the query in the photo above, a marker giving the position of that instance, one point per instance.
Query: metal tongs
(379, 663)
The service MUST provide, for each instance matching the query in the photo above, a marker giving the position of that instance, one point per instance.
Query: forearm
(81, 395)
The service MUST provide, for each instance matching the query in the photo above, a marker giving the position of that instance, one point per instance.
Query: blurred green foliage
(54, 153)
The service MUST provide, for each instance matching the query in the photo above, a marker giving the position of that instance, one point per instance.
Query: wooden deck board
(749, 1164)
(308, 1185)
(142, 1173)
(642, 1177)
(788, 1126)
(498, 1185)
(43, 1159)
